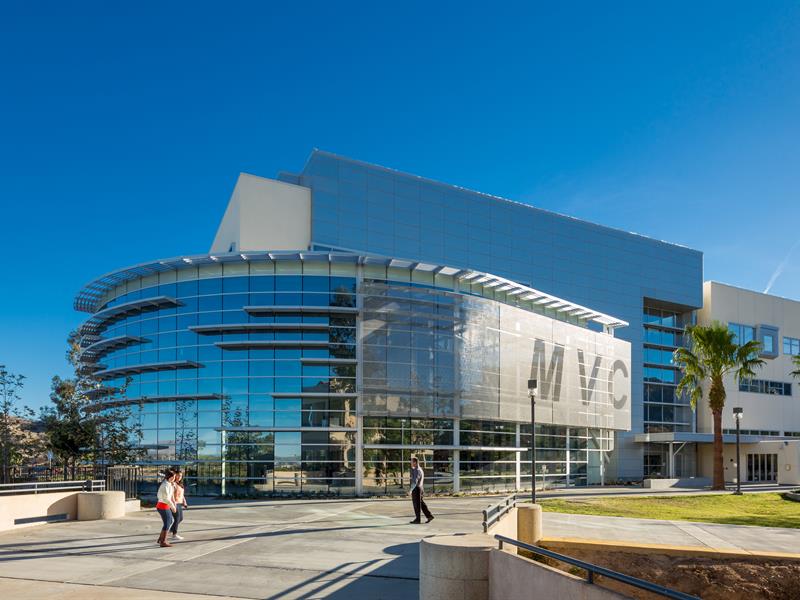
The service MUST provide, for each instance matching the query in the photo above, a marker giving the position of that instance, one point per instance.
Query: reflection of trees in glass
(236, 441)
(343, 340)
(342, 331)
(186, 442)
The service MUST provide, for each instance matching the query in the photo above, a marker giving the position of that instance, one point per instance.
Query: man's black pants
(419, 504)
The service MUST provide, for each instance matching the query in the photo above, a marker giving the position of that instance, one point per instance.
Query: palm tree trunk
(719, 471)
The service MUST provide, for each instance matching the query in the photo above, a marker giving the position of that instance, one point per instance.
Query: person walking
(180, 504)
(166, 506)
(417, 480)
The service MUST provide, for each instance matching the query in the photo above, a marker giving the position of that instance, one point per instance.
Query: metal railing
(56, 473)
(124, 479)
(495, 512)
(43, 487)
(592, 570)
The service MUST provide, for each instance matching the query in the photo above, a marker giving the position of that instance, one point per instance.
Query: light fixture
(532, 384)
(738, 413)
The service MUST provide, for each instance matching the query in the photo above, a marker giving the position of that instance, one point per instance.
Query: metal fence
(55, 473)
(495, 512)
(124, 479)
(43, 487)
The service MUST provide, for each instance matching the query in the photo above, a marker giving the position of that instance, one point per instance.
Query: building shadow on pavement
(392, 578)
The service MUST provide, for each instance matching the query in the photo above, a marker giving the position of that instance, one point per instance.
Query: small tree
(78, 433)
(19, 444)
(68, 430)
(796, 361)
(714, 353)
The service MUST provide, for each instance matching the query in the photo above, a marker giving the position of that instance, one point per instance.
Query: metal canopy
(255, 344)
(314, 395)
(314, 310)
(158, 366)
(127, 308)
(446, 447)
(89, 298)
(249, 327)
(254, 429)
(100, 405)
(97, 349)
(669, 437)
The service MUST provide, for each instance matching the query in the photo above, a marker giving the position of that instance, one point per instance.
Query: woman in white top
(180, 503)
(166, 506)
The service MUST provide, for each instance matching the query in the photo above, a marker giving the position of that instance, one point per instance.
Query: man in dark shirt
(417, 480)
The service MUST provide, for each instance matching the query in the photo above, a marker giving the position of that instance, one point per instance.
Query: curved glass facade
(323, 376)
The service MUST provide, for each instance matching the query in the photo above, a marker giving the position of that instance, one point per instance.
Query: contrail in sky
(781, 267)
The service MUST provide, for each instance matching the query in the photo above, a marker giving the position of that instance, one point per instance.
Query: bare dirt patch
(706, 577)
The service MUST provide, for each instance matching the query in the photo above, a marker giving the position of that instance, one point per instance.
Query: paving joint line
(150, 590)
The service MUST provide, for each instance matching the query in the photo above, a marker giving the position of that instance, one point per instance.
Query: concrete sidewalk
(712, 536)
(635, 490)
(36, 590)
(294, 549)
(267, 550)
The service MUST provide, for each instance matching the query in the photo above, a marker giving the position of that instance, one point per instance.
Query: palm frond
(747, 360)
(796, 361)
(693, 375)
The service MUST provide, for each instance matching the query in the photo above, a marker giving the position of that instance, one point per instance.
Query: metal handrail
(592, 569)
(494, 512)
(39, 487)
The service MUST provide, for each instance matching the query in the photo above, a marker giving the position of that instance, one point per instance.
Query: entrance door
(762, 467)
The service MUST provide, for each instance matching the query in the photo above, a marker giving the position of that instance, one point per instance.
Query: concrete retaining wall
(48, 507)
(512, 576)
(29, 506)
(454, 567)
(506, 526)
(93, 506)
(464, 567)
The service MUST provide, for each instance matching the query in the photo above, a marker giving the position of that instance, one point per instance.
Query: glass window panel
(209, 286)
(262, 283)
(235, 284)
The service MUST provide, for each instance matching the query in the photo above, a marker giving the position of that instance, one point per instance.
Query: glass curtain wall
(664, 410)
(266, 398)
(287, 377)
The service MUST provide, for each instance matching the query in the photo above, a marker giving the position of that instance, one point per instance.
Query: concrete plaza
(294, 549)
(267, 550)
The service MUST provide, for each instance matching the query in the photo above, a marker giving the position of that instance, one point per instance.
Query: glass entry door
(762, 467)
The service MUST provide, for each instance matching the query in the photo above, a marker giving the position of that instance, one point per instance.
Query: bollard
(529, 523)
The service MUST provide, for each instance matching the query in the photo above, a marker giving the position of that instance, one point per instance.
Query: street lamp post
(737, 416)
(532, 395)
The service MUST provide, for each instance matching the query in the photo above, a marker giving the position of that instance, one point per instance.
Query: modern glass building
(350, 316)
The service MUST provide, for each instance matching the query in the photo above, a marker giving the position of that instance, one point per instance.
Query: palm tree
(712, 354)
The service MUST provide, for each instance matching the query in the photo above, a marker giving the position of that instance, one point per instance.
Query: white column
(359, 400)
(359, 467)
(518, 467)
(224, 440)
(456, 456)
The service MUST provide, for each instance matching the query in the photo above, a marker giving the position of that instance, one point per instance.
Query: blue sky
(123, 126)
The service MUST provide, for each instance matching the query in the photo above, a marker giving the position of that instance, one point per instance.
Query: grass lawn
(766, 510)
